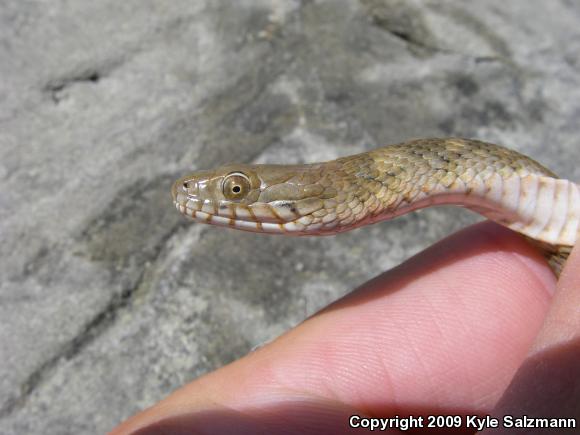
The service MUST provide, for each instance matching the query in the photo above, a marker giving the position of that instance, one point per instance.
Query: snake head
(294, 199)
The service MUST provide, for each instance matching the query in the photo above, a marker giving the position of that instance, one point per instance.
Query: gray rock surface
(109, 300)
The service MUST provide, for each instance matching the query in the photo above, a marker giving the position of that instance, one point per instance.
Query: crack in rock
(56, 87)
(409, 39)
(89, 333)
(405, 22)
(93, 329)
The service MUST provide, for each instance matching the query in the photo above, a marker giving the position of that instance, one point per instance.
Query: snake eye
(236, 186)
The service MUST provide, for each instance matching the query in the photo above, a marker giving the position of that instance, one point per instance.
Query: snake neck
(493, 181)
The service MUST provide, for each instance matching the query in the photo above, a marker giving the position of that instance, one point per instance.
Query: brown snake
(339, 195)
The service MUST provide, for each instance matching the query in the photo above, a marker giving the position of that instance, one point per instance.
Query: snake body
(339, 195)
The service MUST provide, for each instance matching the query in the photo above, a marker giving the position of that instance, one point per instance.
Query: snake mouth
(258, 217)
(244, 224)
(275, 216)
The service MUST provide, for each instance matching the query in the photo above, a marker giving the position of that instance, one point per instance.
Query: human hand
(443, 334)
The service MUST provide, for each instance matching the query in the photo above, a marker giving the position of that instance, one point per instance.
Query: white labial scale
(243, 213)
(208, 208)
(246, 225)
(219, 220)
(270, 227)
(201, 216)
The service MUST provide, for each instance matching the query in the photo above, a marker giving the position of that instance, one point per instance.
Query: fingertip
(562, 322)
(449, 326)
(466, 309)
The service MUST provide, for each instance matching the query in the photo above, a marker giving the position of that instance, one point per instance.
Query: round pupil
(236, 187)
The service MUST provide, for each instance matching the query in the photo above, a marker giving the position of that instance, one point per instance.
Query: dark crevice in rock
(488, 59)
(404, 22)
(91, 331)
(420, 45)
(55, 87)
(85, 76)
(408, 38)
(82, 74)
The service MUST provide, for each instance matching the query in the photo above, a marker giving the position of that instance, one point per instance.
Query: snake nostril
(184, 185)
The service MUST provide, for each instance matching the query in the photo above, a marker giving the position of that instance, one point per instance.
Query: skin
(475, 324)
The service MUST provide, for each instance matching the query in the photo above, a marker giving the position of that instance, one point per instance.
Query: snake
(335, 196)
